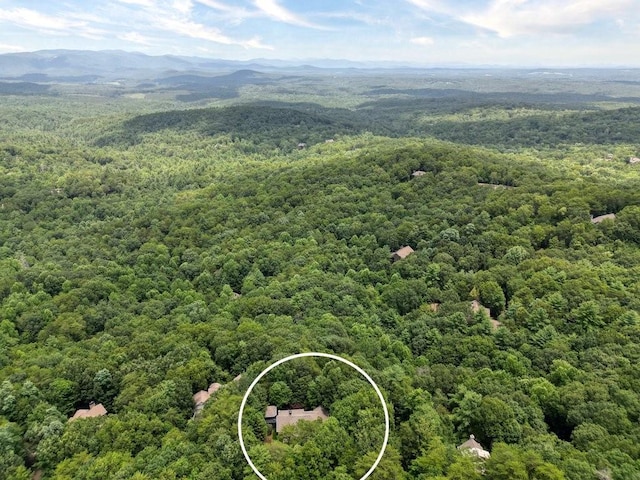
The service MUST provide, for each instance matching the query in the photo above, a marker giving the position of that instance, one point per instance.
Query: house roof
(293, 416)
(201, 397)
(474, 447)
(608, 216)
(471, 443)
(476, 306)
(271, 411)
(418, 173)
(404, 252)
(93, 411)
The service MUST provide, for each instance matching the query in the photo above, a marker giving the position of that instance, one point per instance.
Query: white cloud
(135, 37)
(192, 29)
(34, 20)
(182, 6)
(371, 20)
(435, 6)
(231, 15)
(217, 5)
(176, 18)
(276, 11)
(508, 18)
(423, 41)
(142, 3)
(5, 48)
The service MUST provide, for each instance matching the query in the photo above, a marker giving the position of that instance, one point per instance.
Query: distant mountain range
(87, 66)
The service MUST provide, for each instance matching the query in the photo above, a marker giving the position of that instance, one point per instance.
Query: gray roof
(293, 416)
(474, 447)
(471, 443)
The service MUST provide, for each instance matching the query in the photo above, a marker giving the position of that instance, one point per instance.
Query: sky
(418, 32)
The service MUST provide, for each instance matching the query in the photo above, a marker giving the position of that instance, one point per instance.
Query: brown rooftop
(476, 307)
(93, 411)
(293, 416)
(608, 216)
(201, 397)
(404, 252)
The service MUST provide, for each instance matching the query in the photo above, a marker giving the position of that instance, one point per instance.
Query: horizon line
(358, 64)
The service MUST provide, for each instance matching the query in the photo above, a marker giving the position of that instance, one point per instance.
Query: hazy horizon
(501, 33)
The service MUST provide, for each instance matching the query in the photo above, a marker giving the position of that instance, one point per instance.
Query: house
(404, 252)
(474, 448)
(201, 397)
(477, 307)
(608, 156)
(270, 415)
(495, 186)
(302, 146)
(608, 216)
(418, 173)
(633, 160)
(284, 418)
(93, 411)
(434, 307)
(495, 324)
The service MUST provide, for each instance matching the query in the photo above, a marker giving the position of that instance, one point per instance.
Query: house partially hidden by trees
(418, 173)
(598, 219)
(473, 447)
(201, 397)
(94, 410)
(403, 253)
(477, 307)
(633, 160)
(283, 418)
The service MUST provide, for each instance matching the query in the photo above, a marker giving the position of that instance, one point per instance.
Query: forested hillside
(147, 252)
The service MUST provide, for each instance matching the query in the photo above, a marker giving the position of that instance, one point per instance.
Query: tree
(492, 296)
(280, 394)
(464, 468)
(495, 420)
(389, 467)
(505, 463)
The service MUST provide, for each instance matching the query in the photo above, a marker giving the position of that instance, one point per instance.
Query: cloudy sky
(501, 32)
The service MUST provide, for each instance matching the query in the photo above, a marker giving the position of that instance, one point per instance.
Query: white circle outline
(314, 354)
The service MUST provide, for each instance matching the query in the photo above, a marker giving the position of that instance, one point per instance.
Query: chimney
(92, 405)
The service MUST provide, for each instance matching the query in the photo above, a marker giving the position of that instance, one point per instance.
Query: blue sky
(501, 32)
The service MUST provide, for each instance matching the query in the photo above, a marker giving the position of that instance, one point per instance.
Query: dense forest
(150, 248)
